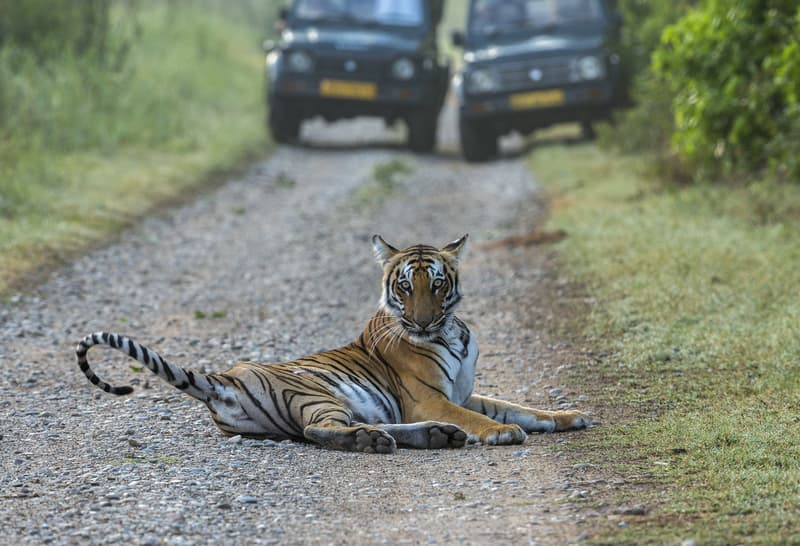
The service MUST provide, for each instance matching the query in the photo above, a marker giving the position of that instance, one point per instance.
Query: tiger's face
(420, 286)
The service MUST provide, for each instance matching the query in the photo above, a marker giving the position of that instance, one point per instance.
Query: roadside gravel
(274, 265)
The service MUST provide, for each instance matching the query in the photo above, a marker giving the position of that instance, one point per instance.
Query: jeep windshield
(391, 13)
(508, 20)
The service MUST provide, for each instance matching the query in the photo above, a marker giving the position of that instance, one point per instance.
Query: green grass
(383, 183)
(91, 146)
(697, 310)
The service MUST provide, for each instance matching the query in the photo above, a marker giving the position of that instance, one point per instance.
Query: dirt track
(271, 266)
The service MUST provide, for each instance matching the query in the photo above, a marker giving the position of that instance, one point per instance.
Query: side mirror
(268, 45)
(457, 38)
(280, 22)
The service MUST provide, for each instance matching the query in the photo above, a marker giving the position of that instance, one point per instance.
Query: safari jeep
(529, 64)
(346, 58)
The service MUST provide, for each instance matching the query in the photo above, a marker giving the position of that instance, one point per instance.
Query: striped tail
(194, 385)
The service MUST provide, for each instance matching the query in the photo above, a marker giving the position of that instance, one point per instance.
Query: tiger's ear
(383, 250)
(454, 248)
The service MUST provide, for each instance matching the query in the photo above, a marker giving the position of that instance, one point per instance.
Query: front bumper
(528, 110)
(339, 97)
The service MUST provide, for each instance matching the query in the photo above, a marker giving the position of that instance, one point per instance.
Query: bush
(733, 67)
(648, 126)
(644, 21)
(66, 101)
(47, 27)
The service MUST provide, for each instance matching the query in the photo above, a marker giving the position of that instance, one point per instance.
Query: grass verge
(696, 335)
(92, 146)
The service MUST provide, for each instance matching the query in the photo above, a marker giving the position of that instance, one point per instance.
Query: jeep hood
(543, 44)
(352, 40)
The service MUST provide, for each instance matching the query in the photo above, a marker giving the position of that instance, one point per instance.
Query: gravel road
(273, 265)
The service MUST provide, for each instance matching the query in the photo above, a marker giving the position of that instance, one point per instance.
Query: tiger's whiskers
(390, 331)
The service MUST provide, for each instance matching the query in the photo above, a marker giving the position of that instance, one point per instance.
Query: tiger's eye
(404, 285)
(437, 283)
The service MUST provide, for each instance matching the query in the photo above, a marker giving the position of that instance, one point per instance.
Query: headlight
(403, 69)
(590, 68)
(299, 61)
(482, 81)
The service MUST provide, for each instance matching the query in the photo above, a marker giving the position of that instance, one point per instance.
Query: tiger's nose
(424, 322)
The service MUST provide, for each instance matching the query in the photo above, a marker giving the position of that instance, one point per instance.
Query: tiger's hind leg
(363, 438)
(246, 403)
(531, 420)
(426, 435)
(330, 425)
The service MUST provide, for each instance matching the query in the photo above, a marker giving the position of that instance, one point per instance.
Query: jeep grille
(551, 73)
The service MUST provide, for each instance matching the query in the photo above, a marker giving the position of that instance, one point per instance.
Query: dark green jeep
(345, 58)
(529, 64)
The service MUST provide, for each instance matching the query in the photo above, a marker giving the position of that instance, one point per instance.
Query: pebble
(247, 499)
(633, 511)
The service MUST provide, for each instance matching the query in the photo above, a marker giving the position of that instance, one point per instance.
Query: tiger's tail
(195, 385)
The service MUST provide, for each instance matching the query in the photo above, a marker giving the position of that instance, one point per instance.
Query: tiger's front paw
(571, 420)
(373, 440)
(446, 435)
(502, 435)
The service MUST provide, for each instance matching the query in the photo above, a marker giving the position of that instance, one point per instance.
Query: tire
(478, 143)
(422, 128)
(284, 123)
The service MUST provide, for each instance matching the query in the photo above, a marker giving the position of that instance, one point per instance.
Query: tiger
(406, 381)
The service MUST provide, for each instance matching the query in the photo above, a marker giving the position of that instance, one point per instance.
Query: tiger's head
(420, 286)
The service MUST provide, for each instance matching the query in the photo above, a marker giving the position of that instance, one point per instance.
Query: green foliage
(88, 142)
(644, 21)
(50, 27)
(648, 125)
(66, 102)
(732, 66)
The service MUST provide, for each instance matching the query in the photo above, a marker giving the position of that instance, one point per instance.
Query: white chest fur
(460, 355)
(462, 389)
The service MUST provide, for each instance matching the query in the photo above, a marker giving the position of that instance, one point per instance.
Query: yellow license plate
(342, 89)
(537, 99)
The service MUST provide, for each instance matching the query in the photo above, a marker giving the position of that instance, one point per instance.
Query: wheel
(284, 123)
(422, 131)
(478, 143)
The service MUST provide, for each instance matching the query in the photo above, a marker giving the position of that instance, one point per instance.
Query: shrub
(648, 126)
(47, 27)
(644, 22)
(733, 68)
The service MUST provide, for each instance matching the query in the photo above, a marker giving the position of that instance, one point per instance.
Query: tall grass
(697, 310)
(85, 145)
